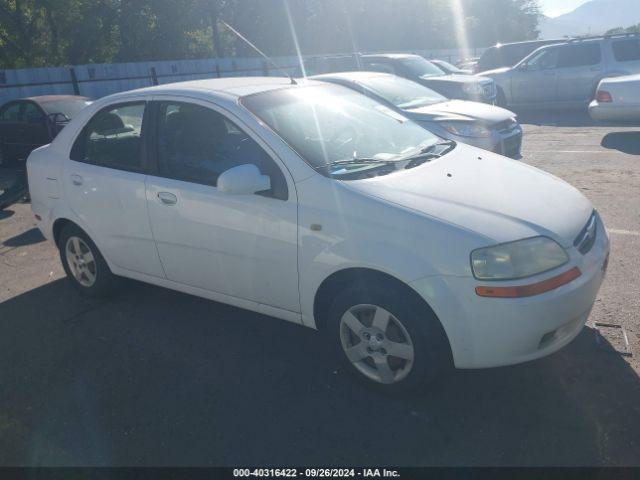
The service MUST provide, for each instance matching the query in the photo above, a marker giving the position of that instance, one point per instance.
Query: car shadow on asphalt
(156, 377)
(625, 142)
(30, 237)
(555, 117)
(6, 214)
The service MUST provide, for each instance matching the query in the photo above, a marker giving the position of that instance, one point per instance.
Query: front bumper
(506, 142)
(491, 332)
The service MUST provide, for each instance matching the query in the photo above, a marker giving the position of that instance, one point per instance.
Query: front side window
(401, 92)
(113, 138)
(543, 60)
(582, 55)
(33, 113)
(626, 50)
(329, 124)
(197, 144)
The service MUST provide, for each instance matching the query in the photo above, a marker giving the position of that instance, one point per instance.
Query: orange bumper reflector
(532, 289)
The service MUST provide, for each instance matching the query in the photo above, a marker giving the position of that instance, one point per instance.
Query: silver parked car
(567, 74)
(617, 100)
(411, 67)
(478, 124)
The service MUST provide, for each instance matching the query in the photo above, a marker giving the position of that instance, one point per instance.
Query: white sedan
(315, 204)
(617, 100)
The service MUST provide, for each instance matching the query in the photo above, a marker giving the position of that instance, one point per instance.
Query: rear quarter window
(626, 50)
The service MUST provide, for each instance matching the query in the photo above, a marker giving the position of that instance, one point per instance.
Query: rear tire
(84, 265)
(387, 339)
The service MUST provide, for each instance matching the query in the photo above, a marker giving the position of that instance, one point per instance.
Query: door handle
(167, 198)
(76, 179)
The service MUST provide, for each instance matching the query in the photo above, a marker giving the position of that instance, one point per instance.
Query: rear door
(580, 67)
(242, 246)
(104, 184)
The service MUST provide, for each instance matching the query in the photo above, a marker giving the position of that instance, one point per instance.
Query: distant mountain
(594, 17)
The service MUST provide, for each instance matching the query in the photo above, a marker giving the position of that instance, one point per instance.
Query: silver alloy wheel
(81, 261)
(376, 343)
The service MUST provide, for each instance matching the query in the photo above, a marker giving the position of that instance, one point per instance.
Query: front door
(244, 246)
(104, 182)
(536, 80)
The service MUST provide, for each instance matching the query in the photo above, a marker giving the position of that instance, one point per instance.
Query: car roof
(350, 76)
(394, 56)
(42, 99)
(230, 86)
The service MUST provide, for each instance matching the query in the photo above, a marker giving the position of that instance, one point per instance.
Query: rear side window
(112, 138)
(626, 50)
(580, 55)
(11, 113)
(197, 144)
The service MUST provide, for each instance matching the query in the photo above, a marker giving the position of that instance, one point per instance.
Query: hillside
(594, 17)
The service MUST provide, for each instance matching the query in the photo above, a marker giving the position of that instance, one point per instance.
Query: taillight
(602, 96)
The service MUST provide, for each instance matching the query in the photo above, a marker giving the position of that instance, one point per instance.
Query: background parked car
(617, 100)
(508, 54)
(26, 124)
(566, 75)
(449, 68)
(412, 67)
(484, 126)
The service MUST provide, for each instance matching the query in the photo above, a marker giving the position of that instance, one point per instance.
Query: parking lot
(156, 377)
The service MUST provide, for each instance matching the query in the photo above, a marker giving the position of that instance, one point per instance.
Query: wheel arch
(363, 276)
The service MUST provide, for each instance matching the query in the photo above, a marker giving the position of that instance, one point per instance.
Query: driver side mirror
(243, 180)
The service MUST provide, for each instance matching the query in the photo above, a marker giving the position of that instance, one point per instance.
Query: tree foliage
(619, 30)
(59, 32)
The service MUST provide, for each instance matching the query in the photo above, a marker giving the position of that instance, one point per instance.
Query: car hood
(498, 198)
(494, 72)
(459, 79)
(460, 110)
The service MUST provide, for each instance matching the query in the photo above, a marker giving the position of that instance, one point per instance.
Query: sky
(553, 8)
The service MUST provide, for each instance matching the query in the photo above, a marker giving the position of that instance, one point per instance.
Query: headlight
(472, 89)
(519, 259)
(466, 129)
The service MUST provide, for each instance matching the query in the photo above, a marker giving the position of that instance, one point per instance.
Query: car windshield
(450, 67)
(401, 92)
(68, 107)
(421, 67)
(337, 130)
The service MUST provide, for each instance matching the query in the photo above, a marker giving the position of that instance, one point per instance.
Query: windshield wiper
(429, 152)
(356, 161)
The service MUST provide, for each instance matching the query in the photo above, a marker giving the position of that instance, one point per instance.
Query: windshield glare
(330, 123)
(421, 67)
(401, 92)
(69, 108)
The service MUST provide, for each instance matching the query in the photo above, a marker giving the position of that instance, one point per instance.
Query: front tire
(387, 338)
(84, 265)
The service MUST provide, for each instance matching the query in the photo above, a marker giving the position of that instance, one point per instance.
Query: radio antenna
(267, 58)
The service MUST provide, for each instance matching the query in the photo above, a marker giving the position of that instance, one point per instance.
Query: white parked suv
(315, 204)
